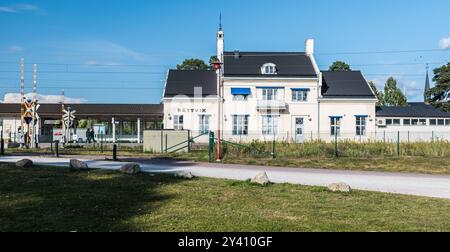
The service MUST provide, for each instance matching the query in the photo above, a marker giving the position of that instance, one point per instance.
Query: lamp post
(217, 67)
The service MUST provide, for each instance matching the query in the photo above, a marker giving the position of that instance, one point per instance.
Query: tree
(378, 94)
(82, 124)
(339, 66)
(392, 95)
(193, 64)
(440, 94)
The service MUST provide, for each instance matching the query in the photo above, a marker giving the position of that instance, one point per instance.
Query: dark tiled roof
(85, 110)
(183, 82)
(248, 64)
(345, 84)
(414, 109)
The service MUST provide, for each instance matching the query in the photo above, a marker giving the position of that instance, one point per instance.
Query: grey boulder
(24, 163)
(339, 187)
(131, 168)
(261, 178)
(77, 165)
(185, 175)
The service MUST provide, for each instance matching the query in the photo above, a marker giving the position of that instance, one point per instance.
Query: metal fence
(257, 145)
(313, 136)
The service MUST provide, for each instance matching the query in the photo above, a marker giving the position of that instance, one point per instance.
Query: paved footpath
(401, 183)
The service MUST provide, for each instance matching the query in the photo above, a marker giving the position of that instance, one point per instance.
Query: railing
(271, 105)
(182, 144)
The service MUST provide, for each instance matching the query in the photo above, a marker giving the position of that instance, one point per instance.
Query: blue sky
(119, 51)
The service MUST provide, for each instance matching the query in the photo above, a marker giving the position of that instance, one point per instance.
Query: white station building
(284, 96)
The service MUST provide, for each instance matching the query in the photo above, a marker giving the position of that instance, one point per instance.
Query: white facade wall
(316, 116)
(347, 109)
(286, 117)
(191, 109)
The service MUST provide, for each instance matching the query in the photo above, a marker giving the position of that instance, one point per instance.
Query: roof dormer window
(269, 68)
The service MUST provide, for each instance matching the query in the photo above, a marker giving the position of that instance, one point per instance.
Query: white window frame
(204, 123)
(392, 121)
(177, 123)
(269, 68)
(240, 97)
(361, 123)
(300, 95)
(269, 125)
(418, 122)
(271, 93)
(335, 125)
(439, 122)
(240, 125)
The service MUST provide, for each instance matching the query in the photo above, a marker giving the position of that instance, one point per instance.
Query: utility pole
(68, 124)
(62, 113)
(217, 67)
(34, 135)
(22, 96)
(34, 82)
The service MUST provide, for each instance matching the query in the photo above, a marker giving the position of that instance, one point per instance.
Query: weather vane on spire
(220, 21)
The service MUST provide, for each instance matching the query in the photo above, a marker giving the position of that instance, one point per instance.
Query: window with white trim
(269, 68)
(299, 95)
(203, 122)
(392, 121)
(419, 122)
(178, 122)
(269, 125)
(439, 122)
(361, 125)
(335, 123)
(240, 125)
(240, 97)
(270, 94)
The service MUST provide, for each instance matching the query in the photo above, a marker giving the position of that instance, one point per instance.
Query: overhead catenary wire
(57, 72)
(255, 54)
(92, 65)
(171, 66)
(94, 88)
(85, 72)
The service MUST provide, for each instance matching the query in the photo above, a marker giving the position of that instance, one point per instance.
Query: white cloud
(102, 63)
(15, 98)
(15, 49)
(19, 8)
(107, 47)
(7, 9)
(99, 51)
(444, 43)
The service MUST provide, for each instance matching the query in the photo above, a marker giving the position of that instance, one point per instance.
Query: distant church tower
(426, 96)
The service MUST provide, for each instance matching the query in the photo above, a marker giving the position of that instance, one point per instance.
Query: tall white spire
(220, 40)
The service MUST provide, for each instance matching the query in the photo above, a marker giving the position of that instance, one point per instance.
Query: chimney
(309, 46)
(236, 54)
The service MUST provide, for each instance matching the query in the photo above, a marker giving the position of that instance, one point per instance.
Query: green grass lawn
(407, 164)
(53, 199)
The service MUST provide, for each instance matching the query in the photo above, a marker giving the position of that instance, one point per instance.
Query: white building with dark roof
(416, 122)
(270, 95)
